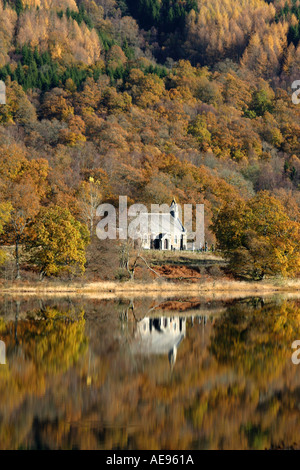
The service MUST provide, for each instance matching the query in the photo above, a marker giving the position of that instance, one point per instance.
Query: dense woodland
(151, 99)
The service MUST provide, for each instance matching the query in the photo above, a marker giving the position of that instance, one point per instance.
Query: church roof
(163, 223)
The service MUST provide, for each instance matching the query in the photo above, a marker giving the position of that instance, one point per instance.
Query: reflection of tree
(51, 339)
(42, 346)
(256, 340)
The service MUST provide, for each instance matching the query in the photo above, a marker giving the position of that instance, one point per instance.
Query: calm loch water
(149, 374)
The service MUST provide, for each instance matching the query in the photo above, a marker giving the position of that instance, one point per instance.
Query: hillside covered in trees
(151, 99)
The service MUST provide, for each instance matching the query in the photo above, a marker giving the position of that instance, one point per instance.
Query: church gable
(164, 230)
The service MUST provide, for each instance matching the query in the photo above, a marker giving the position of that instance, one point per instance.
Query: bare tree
(90, 197)
(130, 254)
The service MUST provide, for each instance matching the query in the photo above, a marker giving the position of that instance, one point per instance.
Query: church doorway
(157, 244)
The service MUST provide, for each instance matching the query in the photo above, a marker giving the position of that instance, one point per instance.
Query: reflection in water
(96, 375)
(160, 336)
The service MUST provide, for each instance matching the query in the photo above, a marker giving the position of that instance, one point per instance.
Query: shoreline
(110, 289)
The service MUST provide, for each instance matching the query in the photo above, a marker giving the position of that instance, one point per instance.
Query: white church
(164, 230)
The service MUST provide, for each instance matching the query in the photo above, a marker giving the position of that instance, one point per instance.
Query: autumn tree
(23, 184)
(25, 202)
(56, 242)
(258, 237)
(5, 214)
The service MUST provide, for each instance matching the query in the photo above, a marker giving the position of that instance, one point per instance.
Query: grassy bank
(176, 273)
(141, 289)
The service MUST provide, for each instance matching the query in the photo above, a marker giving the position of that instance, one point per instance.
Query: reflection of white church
(160, 336)
(164, 230)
